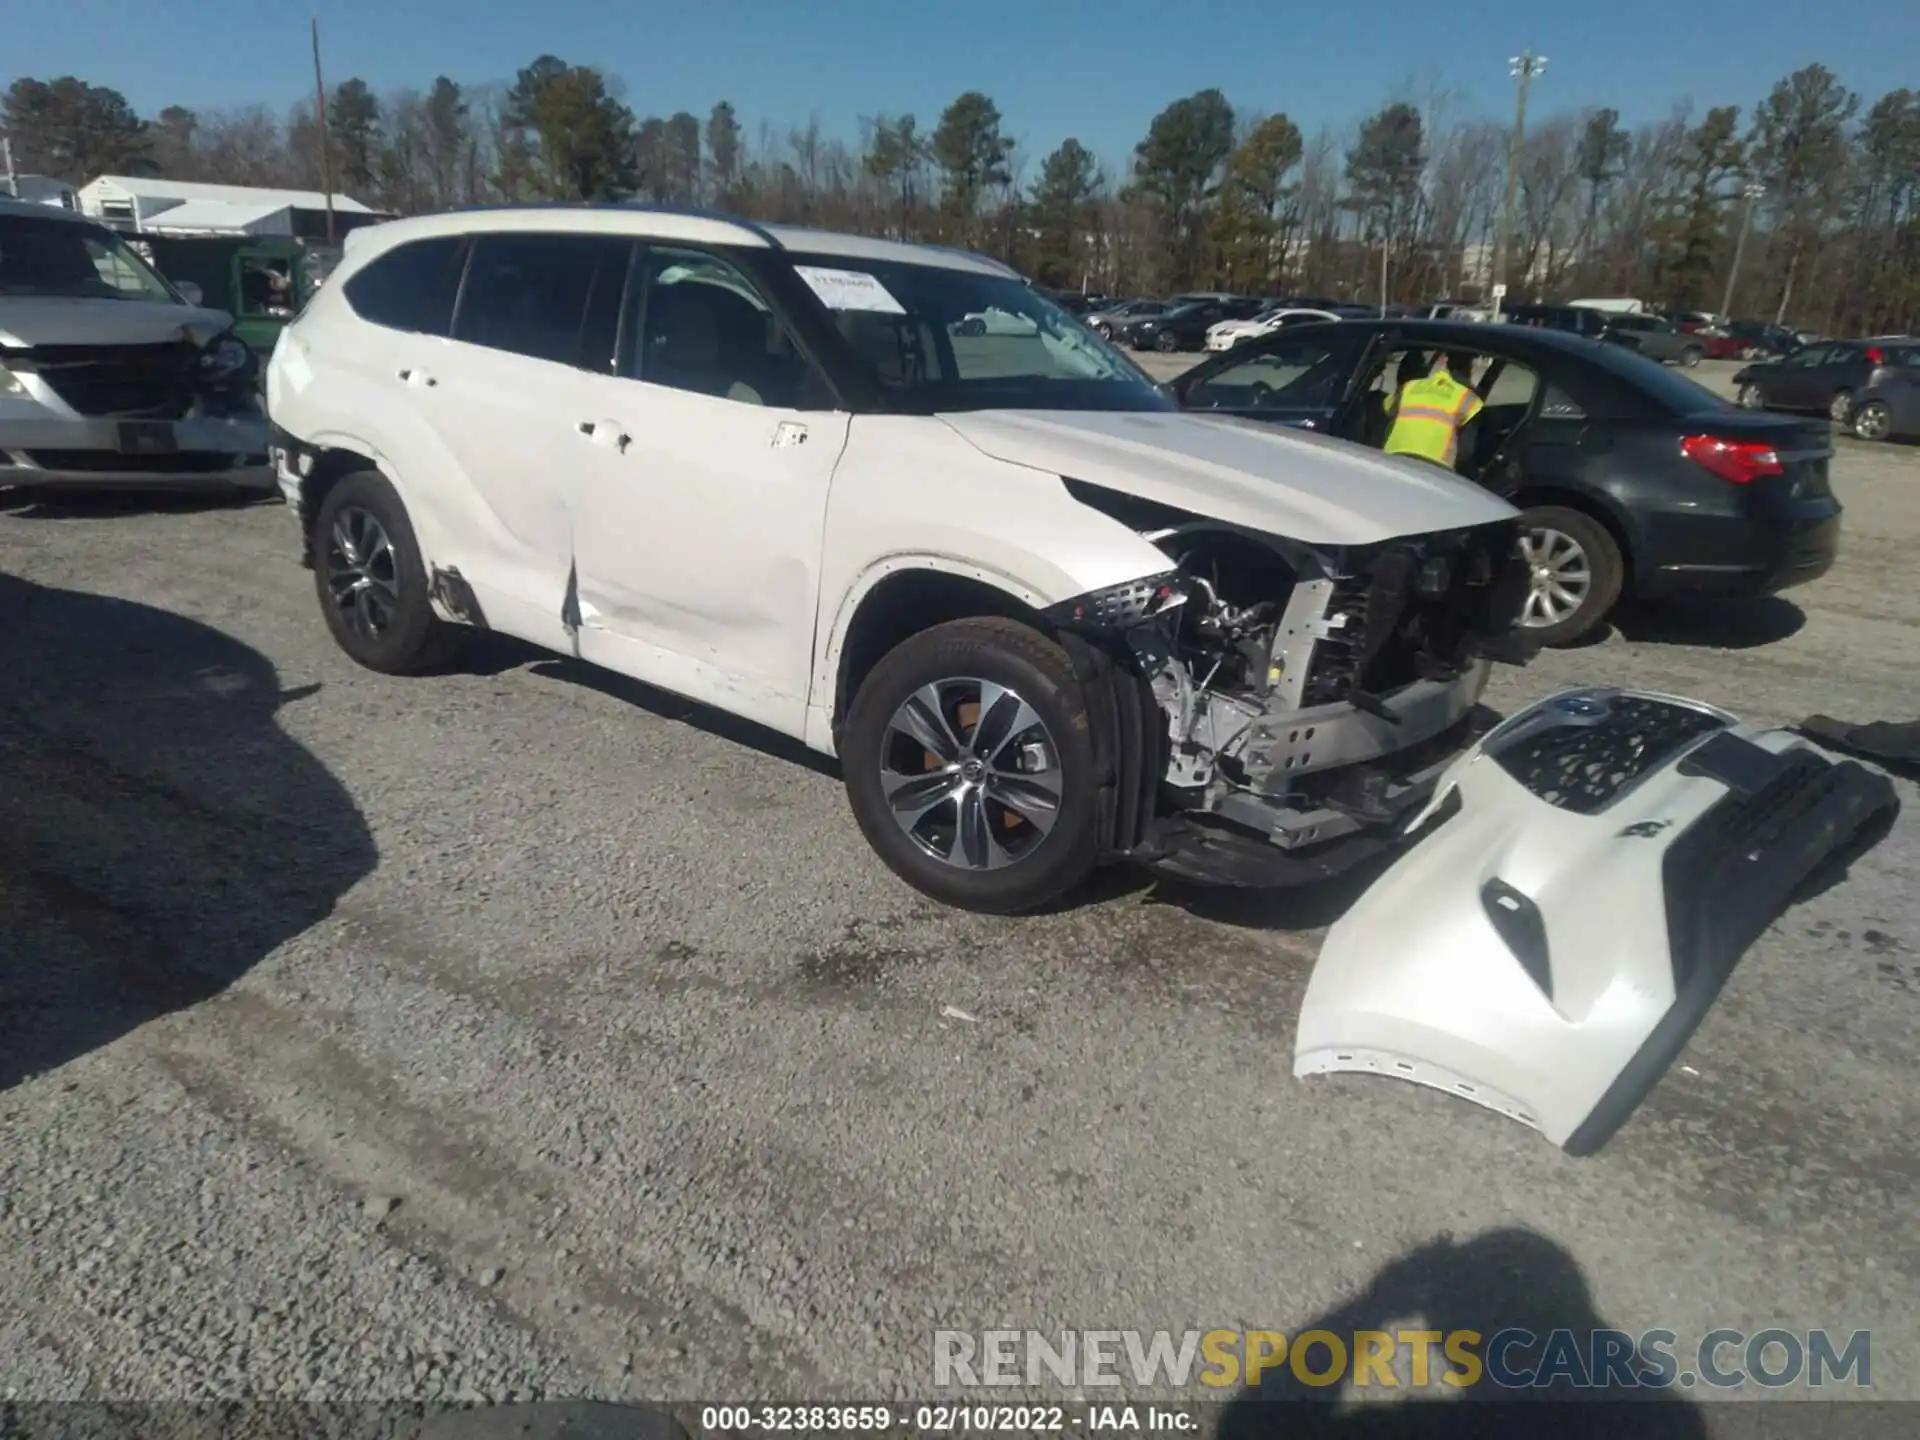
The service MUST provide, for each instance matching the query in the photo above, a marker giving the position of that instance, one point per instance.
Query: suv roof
(34, 210)
(659, 222)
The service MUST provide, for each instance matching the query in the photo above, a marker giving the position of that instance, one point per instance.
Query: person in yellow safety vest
(1430, 410)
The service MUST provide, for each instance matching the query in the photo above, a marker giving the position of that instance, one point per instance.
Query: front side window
(1295, 374)
(73, 261)
(698, 324)
(411, 287)
(531, 294)
(932, 338)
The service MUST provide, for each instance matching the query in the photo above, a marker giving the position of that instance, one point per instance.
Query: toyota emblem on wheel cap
(1584, 706)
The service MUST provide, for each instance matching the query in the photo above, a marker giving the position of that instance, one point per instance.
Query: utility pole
(1752, 191)
(320, 119)
(13, 183)
(1524, 68)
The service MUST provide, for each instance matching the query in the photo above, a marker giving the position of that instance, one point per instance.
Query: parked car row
(1212, 320)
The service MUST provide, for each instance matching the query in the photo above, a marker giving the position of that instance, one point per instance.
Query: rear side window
(530, 294)
(411, 287)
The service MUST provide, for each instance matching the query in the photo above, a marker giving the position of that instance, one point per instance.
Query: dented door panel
(501, 417)
(700, 535)
(1589, 876)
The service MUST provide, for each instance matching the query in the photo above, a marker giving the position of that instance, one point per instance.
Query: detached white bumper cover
(1589, 875)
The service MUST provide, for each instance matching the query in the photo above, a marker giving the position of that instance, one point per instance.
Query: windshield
(84, 262)
(933, 338)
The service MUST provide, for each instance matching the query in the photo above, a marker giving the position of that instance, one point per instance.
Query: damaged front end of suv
(1291, 705)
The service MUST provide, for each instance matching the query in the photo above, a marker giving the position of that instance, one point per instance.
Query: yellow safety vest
(1428, 414)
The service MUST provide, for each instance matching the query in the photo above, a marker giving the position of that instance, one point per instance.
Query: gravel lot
(520, 1032)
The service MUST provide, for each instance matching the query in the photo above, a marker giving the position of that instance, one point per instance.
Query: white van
(1614, 307)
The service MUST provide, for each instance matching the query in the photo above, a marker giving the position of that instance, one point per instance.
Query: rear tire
(1840, 408)
(1582, 561)
(937, 817)
(372, 582)
(1872, 421)
(1165, 343)
(1690, 357)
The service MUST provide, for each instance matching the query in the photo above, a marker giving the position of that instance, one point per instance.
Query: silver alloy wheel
(363, 575)
(1562, 577)
(1750, 397)
(971, 773)
(1840, 408)
(1872, 421)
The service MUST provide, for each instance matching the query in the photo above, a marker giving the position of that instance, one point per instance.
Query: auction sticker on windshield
(849, 290)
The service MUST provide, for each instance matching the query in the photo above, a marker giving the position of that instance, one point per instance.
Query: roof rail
(691, 212)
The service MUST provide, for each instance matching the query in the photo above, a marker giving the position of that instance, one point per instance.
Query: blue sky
(1096, 69)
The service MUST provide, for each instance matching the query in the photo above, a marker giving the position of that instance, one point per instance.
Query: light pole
(1524, 68)
(1753, 190)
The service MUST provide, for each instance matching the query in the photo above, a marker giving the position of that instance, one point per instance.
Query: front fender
(909, 493)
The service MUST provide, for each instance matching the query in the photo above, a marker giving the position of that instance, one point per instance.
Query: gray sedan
(1110, 319)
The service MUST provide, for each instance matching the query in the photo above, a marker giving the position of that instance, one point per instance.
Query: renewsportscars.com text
(1513, 1359)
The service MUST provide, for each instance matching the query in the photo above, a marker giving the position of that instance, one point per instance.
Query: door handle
(606, 432)
(416, 377)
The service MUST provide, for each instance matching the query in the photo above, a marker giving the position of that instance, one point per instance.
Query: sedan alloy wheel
(1872, 421)
(1562, 577)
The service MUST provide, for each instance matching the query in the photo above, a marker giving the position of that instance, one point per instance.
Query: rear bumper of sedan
(1747, 557)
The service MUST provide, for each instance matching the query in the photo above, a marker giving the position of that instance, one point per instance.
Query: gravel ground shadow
(159, 833)
(1718, 624)
(1502, 1280)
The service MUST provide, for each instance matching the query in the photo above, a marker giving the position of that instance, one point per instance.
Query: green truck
(261, 280)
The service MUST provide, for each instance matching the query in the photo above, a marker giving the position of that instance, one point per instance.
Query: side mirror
(190, 292)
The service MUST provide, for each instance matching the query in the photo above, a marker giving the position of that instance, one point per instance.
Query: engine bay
(1258, 629)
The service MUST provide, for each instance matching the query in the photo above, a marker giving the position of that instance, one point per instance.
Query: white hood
(1280, 481)
(65, 320)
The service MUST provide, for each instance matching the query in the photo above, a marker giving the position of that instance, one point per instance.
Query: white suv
(1043, 618)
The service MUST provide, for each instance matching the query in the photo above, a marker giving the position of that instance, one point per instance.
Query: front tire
(969, 766)
(1690, 357)
(1166, 344)
(1577, 573)
(372, 582)
(1750, 398)
(1840, 408)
